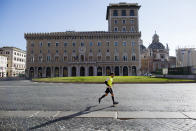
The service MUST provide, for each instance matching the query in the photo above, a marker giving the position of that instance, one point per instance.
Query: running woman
(109, 82)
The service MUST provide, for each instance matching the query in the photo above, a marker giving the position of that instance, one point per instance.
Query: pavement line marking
(116, 115)
(102, 114)
(34, 114)
(58, 112)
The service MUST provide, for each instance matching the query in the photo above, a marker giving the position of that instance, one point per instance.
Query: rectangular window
(115, 13)
(65, 58)
(99, 43)
(124, 29)
(56, 58)
(65, 44)
(123, 13)
(115, 43)
(48, 58)
(132, 13)
(40, 44)
(133, 44)
(116, 58)
(57, 51)
(115, 21)
(133, 58)
(48, 44)
(73, 44)
(115, 29)
(132, 29)
(108, 43)
(57, 44)
(90, 58)
(108, 58)
(132, 21)
(40, 58)
(124, 44)
(32, 45)
(124, 21)
(81, 44)
(124, 58)
(91, 43)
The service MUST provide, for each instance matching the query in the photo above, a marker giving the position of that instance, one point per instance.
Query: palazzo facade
(96, 53)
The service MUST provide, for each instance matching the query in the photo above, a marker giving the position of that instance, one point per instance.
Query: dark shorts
(109, 90)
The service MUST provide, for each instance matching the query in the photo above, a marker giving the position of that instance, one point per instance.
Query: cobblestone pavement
(89, 124)
(27, 95)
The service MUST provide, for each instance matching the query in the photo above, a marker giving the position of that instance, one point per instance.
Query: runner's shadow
(86, 111)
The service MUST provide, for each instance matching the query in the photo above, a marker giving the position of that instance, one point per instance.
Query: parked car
(147, 74)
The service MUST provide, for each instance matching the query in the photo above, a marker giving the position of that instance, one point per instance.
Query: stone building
(185, 57)
(172, 61)
(3, 66)
(16, 60)
(155, 57)
(93, 53)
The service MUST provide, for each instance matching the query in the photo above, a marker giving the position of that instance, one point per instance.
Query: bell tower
(123, 17)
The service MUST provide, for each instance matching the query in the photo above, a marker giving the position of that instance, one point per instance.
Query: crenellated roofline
(80, 35)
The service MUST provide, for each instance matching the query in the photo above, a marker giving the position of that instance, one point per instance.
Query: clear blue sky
(173, 20)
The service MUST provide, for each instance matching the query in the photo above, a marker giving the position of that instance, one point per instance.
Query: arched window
(82, 71)
(134, 73)
(48, 72)
(73, 71)
(99, 71)
(116, 71)
(125, 71)
(40, 72)
(108, 70)
(56, 72)
(65, 72)
(91, 71)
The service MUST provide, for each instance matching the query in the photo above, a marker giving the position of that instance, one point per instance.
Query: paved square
(44, 106)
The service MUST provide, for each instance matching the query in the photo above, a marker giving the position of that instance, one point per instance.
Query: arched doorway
(73, 71)
(99, 71)
(82, 71)
(90, 71)
(40, 72)
(65, 72)
(108, 71)
(116, 71)
(56, 72)
(125, 71)
(48, 72)
(31, 72)
(134, 73)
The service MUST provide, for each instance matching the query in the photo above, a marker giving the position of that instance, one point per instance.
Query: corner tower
(123, 17)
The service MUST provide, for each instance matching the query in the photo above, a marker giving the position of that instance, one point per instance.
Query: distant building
(172, 61)
(185, 57)
(155, 57)
(96, 53)
(3, 66)
(16, 60)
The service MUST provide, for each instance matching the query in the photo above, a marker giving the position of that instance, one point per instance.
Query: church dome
(155, 43)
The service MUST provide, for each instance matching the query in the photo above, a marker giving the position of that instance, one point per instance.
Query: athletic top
(110, 81)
